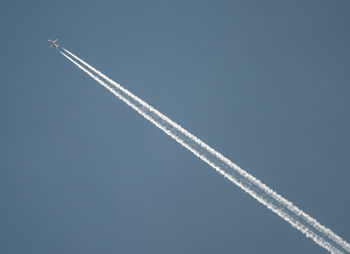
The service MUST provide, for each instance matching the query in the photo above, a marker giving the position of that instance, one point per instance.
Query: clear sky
(266, 83)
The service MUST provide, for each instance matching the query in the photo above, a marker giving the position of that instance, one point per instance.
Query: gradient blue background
(264, 82)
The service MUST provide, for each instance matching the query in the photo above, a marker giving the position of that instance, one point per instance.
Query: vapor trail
(279, 205)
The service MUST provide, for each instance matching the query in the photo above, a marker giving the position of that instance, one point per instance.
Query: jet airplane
(53, 43)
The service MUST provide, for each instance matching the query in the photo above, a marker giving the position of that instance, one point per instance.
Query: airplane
(53, 43)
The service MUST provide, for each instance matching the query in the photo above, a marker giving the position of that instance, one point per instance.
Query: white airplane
(53, 43)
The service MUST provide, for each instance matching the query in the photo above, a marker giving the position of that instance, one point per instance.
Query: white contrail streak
(279, 205)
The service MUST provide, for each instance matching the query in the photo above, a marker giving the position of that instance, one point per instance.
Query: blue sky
(264, 83)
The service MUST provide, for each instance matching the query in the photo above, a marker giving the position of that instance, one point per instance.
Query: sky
(264, 83)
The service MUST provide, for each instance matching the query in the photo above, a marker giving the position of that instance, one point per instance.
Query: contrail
(323, 236)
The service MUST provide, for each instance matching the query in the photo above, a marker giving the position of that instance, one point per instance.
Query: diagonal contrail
(279, 205)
